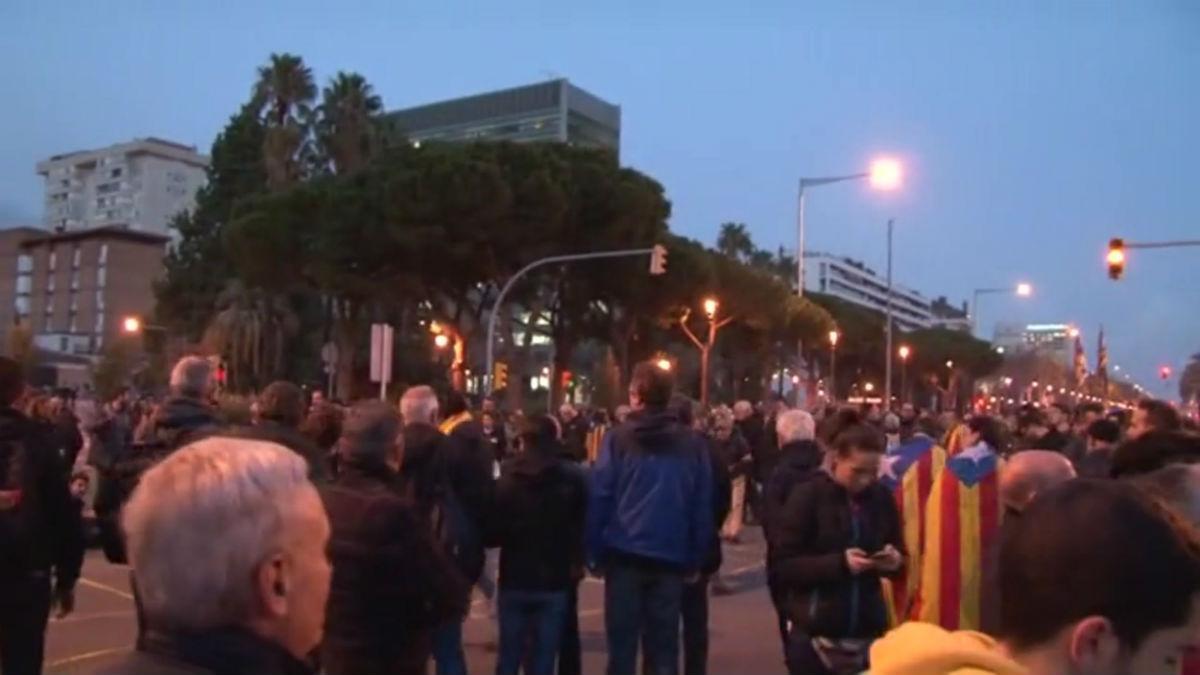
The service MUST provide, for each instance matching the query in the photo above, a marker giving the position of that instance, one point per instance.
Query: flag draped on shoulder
(909, 471)
(595, 437)
(962, 519)
(952, 441)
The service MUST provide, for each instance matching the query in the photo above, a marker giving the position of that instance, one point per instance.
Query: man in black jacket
(838, 533)
(184, 417)
(447, 467)
(40, 533)
(540, 507)
(800, 459)
(392, 585)
(280, 412)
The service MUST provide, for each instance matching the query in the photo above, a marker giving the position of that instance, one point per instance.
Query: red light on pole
(1165, 372)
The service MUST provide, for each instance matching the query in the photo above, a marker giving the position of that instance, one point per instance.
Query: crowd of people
(348, 539)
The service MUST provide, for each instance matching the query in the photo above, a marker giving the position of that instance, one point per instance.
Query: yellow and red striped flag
(909, 471)
(595, 437)
(962, 520)
(952, 441)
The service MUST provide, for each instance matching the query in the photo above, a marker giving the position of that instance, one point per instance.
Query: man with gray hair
(800, 459)
(227, 540)
(185, 416)
(392, 583)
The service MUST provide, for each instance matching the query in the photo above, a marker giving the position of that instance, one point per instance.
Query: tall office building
(139, 185)
(854, 282)
(547, 111)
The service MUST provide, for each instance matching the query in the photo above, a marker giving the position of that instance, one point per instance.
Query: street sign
(382, 337)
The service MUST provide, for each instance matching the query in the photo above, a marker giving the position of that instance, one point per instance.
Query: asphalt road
(743, 634)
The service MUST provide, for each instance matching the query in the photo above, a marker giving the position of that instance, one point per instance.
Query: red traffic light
(1165, 372)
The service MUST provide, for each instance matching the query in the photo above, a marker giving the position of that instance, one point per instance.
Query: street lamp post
(887, 385)
(1021, 290)
(884, 174)
(714, 324)
(833, 341)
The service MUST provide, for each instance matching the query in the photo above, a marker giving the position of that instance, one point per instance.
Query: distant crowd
(348, 539)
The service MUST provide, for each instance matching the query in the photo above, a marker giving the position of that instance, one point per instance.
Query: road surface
(744, 637)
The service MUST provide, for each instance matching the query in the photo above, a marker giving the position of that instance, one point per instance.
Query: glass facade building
(548, 111)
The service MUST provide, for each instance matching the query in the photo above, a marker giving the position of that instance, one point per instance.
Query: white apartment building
(854, 282)
(139, 185)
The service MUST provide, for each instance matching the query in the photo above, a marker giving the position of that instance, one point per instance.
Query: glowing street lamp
(886, 174)
(1023, 289)
(710, 308)
(664, 364)
(132, 324)
(834, 336)
(441, 340)
(904, 352)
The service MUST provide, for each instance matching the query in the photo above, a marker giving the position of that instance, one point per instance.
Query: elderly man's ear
(272, 586)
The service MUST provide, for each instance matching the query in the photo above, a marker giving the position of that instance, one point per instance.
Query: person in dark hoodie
(41, 538)
(800, 459)
(650, 523)
(392, 584)
(839, 533)
(281, 409)
(539, 509)
(184, 417)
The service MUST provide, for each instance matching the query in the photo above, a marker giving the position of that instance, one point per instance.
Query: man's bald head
(1031, 472)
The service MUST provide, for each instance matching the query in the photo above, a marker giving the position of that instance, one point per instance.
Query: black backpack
(457, 533)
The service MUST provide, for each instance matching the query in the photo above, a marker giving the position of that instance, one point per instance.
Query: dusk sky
(1031, 131)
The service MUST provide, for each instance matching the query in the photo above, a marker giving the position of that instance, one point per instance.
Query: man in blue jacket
(650, 518)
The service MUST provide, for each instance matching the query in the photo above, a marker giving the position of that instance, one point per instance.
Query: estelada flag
(952, 441)
(909, 471)
(962, 520)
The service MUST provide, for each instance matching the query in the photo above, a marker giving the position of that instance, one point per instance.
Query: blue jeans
(642, 603)
(538, 616)
(448, 655)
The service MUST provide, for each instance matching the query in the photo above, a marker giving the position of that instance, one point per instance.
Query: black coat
(392, 584)
(799, 461)
(539, 518)
(819, 521)
(220, 652)
(574, 438)
(469, 467)
(733, 453)
(722, 502)
(45, 530)
(178, 422)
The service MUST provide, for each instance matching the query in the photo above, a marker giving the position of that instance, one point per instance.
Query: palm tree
(283, 95)
(735, 242)
(346, 126)
(249, 330)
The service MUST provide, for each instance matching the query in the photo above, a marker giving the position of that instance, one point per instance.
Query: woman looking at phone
(839, 532)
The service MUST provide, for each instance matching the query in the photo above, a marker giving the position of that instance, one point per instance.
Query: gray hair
(795, 425)
(743, 409)
(419, 405)
(370, 431)
(191, 377)
(201, 522)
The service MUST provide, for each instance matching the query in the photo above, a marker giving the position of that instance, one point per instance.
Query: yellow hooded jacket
(925, 649)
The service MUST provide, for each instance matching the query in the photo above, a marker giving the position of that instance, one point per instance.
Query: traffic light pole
(1164, 244)
(491, 331)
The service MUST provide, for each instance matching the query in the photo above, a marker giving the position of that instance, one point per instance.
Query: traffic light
(658, 260)
(500, 376)
(1116, 258)
(221, 375)
(1165, 372)
(564, 380)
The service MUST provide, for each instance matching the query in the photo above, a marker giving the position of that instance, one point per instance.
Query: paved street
(743, 633)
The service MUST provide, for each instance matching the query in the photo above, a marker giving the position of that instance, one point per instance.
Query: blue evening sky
(1031, 130)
